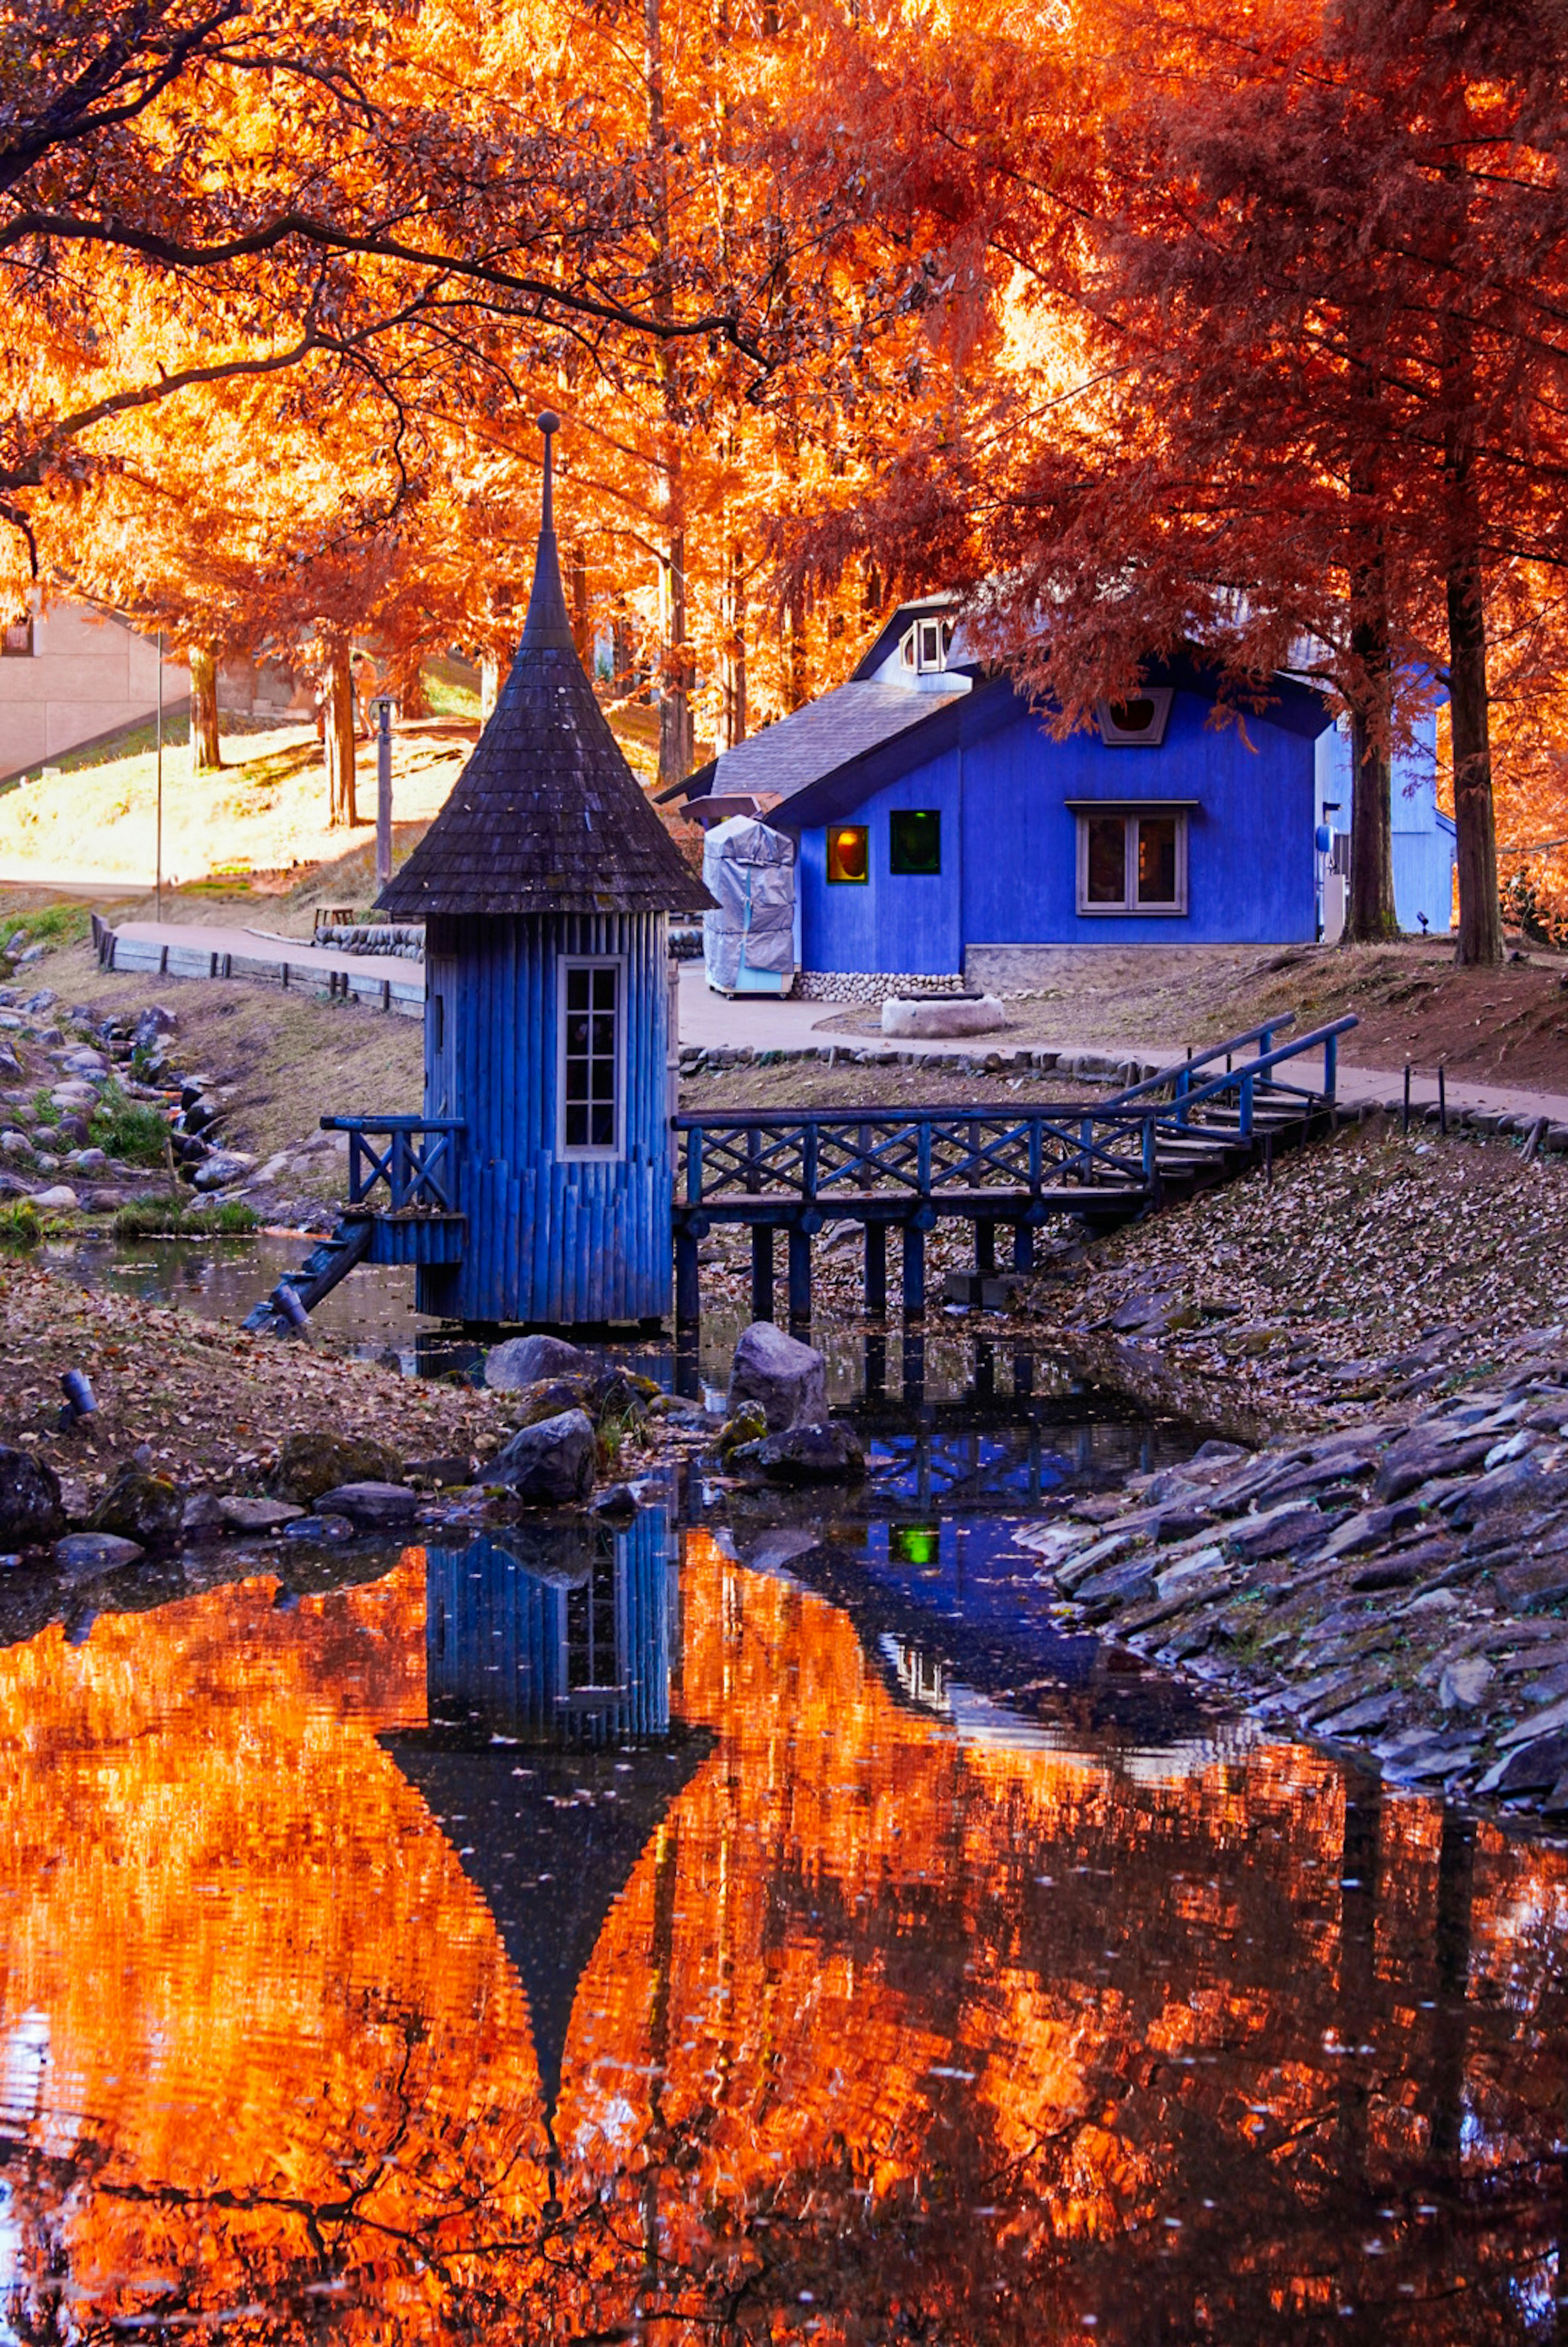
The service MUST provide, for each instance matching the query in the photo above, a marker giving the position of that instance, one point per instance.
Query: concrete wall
(88, 674)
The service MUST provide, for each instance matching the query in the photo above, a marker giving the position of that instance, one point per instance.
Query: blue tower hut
(545, 885)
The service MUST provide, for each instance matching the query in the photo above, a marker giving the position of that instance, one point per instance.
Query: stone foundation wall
(870, 986)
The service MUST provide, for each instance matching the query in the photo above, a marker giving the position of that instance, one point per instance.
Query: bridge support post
(687, 1294)
(876, 1269)
(914, 1272)
(761, 1271)
(800, 1278)
(985, 1244)
(1022, 1247)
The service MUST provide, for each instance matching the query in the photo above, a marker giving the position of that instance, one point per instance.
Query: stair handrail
(1243, 1079)
(1179, 1068)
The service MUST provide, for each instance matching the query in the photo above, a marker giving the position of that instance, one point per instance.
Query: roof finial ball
(545, 885)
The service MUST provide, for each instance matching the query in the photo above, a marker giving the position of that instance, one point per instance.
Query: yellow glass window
(849, 852)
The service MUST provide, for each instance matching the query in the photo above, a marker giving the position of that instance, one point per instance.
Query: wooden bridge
(1196, 1122)
(1200, 1121)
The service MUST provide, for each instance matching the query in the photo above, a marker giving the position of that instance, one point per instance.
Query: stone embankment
(1398, 1585)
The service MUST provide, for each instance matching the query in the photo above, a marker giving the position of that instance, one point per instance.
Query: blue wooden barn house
(543, 884)
(938, 823)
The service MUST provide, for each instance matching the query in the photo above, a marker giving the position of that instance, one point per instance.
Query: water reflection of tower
(563, 1639)
(555, 1634)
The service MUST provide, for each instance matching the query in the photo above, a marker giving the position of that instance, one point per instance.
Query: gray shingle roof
(824, 736)
(546, 817)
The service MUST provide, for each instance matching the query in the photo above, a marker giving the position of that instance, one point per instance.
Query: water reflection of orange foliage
(248, 1951)
(889, 2034)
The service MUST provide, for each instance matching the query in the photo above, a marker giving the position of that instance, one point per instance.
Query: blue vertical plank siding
(500, 1648)
(1002, 783)
(569, 1240)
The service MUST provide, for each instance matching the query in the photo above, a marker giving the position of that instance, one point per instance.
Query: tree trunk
(489, 685)
(205, 757)
(798, 686)
(338, 733)
(412, 701)
(1370, 916)
(732, 668)
(676, 732)
(1480, 913)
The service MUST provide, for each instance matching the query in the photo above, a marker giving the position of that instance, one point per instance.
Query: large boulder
(316, 1462)
(141, 1507)
(786, 1378)
(31, 1511)
(551, 1463)
(523, 1360)
(821, 1452)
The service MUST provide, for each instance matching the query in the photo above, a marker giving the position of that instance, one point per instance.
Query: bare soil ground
(211, 1401)
(1504, 1026)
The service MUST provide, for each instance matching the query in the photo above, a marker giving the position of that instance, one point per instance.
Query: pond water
(371, 1313)
(740, 1928)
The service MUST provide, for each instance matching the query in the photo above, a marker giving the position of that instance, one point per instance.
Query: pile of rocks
(403, 940)
(1399, 1585)
(41, 1146)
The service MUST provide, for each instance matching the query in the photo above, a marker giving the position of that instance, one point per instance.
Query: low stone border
(1085, 1067)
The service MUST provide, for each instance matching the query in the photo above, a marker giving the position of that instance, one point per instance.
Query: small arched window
(1139, 722)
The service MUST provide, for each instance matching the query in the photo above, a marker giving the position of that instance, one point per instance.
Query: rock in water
(551, 1463)
(140, 1507)
(314, 1462)
(523, 1360)
(786, 1378)
(820, 1452)
(84, 1555)
(30, 1507)
(241, 1514)
(371, 1506)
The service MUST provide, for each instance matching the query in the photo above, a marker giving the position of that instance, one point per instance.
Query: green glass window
(915, 840)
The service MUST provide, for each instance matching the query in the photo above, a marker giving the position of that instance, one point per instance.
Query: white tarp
(750, 872)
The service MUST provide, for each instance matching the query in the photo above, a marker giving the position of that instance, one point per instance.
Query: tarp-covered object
(748, 944)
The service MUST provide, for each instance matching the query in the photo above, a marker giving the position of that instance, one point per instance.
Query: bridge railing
(418, 1161)
(913, 1152)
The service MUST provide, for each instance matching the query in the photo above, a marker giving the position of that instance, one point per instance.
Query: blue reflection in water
(555, 1634)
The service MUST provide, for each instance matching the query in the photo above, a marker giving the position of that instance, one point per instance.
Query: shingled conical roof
(546, 817)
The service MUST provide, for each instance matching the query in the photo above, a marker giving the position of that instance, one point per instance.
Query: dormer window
(1139, 722)
(926, 645)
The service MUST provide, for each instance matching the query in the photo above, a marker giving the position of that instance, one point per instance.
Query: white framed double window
(1132, 859)
(590, 1058)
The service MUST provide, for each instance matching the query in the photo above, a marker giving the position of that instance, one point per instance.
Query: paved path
(267, 944)
(764, 1023)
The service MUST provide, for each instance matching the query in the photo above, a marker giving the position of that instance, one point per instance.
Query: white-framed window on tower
(590, 1058)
